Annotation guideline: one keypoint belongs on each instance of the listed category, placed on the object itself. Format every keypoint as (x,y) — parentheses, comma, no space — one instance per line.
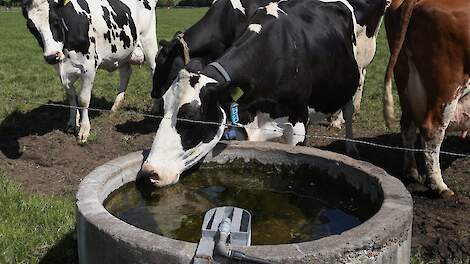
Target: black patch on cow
(106,17)
(113,48)
(92,39)
(126,41)
(88,56)
(84,5)
(55,23)
(96,60)
(107,36)
(146,4)
(123,17)
(76,37)
(194,133)
(193,80)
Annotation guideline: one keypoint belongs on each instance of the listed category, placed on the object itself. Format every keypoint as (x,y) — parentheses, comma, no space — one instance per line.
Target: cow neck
(214,73)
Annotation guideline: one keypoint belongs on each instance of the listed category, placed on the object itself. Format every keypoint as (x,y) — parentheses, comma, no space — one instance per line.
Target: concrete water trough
(383,238)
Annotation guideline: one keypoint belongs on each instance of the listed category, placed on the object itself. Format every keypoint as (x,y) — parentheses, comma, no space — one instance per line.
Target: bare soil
(37,153)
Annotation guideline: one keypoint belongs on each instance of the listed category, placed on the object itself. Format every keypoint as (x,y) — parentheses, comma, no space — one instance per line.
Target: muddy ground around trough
(36,152)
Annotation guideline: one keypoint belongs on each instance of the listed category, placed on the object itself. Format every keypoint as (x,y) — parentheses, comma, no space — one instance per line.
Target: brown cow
(430,57)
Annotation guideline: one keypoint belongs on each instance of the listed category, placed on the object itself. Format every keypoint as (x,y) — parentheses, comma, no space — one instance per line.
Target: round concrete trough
(384,238)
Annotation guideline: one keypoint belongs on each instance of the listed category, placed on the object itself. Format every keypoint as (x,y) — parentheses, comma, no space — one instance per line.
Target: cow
(429,42)
(293,55)
(80,36)
(206,40)
(226,20)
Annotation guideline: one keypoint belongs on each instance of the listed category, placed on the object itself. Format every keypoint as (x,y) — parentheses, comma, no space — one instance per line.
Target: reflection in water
(285,208)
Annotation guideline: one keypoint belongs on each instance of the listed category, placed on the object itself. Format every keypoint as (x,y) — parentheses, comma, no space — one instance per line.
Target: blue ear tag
(234,113)
(231,132)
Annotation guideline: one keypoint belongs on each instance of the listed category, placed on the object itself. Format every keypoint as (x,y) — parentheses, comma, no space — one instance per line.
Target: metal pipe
(224,250)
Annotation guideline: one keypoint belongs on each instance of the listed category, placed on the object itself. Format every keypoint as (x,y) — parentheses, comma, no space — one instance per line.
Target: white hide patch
(264,128)
(237,4)
(181,92)
(273,9)
(255,28)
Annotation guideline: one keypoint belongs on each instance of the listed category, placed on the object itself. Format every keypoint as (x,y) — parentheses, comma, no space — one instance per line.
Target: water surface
(286,206)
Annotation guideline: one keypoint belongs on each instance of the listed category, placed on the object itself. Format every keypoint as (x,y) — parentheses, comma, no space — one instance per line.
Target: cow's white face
(44,22)
(178,145)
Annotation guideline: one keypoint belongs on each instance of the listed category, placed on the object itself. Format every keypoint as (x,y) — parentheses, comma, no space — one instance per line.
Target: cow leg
(338,119)
(84,101)
(74,115)
(358,95)
(124,75)
(348,111)
(408,136)
(432,136)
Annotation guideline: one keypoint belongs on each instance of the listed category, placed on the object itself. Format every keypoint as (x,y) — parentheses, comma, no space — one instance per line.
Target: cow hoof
(447,193)
(83,135)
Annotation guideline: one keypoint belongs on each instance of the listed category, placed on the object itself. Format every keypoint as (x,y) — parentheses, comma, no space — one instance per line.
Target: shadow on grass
(144,126)
(38,121)
(64,251)
(392,160)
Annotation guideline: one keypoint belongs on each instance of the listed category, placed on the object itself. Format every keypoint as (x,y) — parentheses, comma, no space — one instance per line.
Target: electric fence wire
(136,113)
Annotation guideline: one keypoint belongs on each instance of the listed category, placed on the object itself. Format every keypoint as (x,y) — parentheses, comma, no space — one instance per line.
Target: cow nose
(52,59)
(150,172)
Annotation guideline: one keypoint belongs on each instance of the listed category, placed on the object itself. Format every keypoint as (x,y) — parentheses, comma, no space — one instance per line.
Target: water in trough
(287,206)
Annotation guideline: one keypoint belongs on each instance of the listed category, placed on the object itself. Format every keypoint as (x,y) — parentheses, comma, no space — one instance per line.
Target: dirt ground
(37,153)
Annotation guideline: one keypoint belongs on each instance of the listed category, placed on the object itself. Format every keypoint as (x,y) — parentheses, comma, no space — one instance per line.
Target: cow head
(180,144)
(169,62)
(44,22)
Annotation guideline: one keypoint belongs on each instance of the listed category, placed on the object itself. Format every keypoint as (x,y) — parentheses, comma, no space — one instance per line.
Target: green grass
(31,226)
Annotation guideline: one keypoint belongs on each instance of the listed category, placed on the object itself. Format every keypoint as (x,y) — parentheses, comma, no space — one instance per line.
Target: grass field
(39,229)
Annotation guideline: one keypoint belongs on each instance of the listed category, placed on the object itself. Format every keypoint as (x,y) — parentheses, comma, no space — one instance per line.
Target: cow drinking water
(80,36)
(292,56)
(226,20)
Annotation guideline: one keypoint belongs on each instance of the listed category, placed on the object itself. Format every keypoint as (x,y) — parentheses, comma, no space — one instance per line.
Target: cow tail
(395,47)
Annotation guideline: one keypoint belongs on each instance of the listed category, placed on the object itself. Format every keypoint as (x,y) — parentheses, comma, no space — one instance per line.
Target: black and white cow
(80,36)
(369,15)
(226,20)
(294,55)
(207,40)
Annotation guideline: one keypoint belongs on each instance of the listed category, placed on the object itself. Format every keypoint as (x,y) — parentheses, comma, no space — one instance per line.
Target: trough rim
(390,224)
